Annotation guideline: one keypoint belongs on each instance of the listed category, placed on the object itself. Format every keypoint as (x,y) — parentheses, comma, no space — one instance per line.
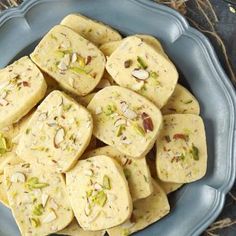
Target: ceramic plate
(196,205)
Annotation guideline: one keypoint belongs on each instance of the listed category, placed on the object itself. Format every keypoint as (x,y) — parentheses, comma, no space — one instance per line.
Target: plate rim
(214,66)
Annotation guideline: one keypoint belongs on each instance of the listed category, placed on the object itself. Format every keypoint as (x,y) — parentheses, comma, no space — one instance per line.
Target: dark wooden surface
(226,28)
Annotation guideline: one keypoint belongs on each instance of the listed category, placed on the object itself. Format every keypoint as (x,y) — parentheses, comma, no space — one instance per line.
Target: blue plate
(196,205)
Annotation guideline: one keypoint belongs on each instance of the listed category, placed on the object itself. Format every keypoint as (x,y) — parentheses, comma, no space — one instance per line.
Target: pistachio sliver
(120,130)
(89,193)
(194,152)
(35,222)
(100,198)
(139,130)
(78,70)
(106,182)
(142,63)
(153,74)
(59,54)
(33,183)
(110,109)
(81,61)
(38,210)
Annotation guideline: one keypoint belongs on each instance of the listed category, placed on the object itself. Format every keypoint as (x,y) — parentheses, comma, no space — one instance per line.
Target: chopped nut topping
(59,137)
(62,66)
(130,114)
(127,63)
(98,110)
(33,183)
(181,136)
(44,199)
(74,57)
(140,74)
(119,122)
(35,222)
(137,86)
(38,210)
(142,63)
(50,217)
(138,129)
(147,122)
(120,130)
(66,59)
(88,60)
(106,182)
(97,186)
(18,177)
(54,205)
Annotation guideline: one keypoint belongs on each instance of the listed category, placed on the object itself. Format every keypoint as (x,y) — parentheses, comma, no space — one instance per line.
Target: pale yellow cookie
(38,199)
(146,211)
(73,229)
(125,120)
(181,102)
(58,133)
(136,65)
(181,149)
(136,171)
(94,31)
(22,86)
(75,63)
(99,193)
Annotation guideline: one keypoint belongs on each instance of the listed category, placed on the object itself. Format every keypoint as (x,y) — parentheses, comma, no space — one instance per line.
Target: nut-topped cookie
(138,66)
(57,134)
(99,193)
(38,199)
(75,63)
(181,149)
(136,171)
(181,102)
(125,120)
(22,86)
(96,32)
(146,211)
